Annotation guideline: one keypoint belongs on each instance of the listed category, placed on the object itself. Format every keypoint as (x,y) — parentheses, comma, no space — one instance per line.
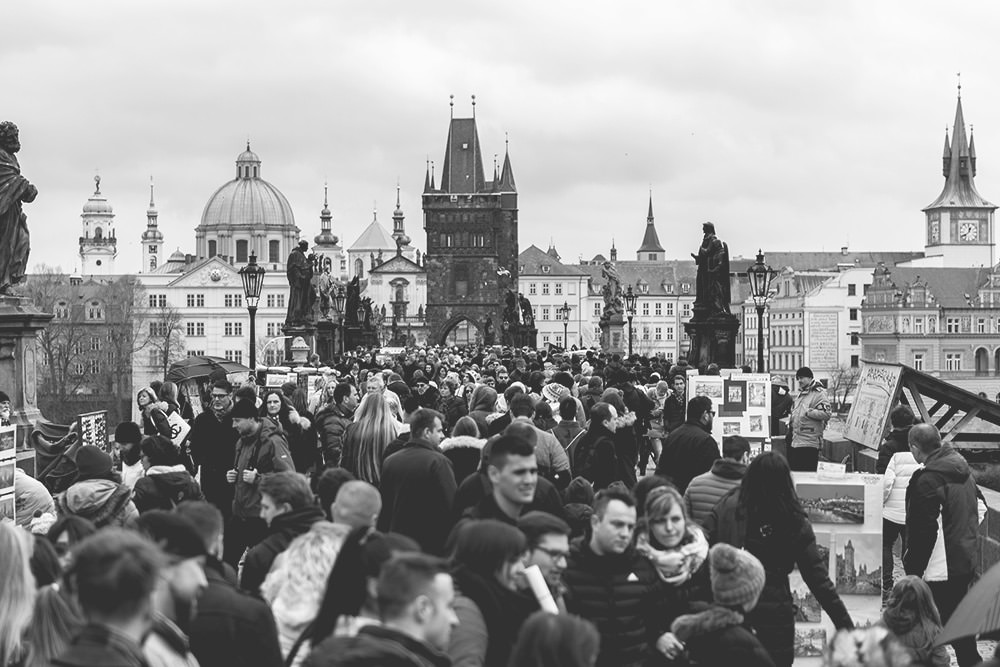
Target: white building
(98,245)
(549,285)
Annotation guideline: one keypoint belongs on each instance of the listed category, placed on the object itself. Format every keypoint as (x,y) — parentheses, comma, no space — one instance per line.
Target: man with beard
(177,589)
(690,449)
(212,442)
(14,189)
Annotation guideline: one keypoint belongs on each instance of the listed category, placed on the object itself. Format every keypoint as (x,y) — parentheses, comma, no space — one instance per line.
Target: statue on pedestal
(14,189)
(712,293)
(612,290)
(300,290)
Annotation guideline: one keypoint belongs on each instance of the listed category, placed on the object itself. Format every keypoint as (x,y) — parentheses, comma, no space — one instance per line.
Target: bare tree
(165,333)
(126,316)
(843,382)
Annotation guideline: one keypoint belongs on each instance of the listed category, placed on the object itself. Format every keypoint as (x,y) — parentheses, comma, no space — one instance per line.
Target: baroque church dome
(248,201)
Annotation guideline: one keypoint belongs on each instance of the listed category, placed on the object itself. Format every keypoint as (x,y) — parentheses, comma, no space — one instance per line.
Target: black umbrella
(192,368)
(979,611)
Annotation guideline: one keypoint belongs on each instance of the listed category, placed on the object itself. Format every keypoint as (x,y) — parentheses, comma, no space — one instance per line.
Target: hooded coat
(283,529)
(103,502)
(266,451)
(464,452)
(810,413)
(164,487)
(717,635)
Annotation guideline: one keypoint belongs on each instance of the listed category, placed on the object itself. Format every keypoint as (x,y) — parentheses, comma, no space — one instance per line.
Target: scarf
(675,566)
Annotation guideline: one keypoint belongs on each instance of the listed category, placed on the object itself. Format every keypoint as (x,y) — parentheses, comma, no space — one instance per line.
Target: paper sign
(825,470)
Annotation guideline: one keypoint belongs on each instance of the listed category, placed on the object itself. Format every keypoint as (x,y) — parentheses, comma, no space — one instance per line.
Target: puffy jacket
(465,452)
(718,636)
(810,413)
(100,501)
(375,646)
(331,422)
(164,487)
(621,595)
(901,467)
(896,441)
(283,529)
(707,489)
(266,452)
(941,501)
(595,458)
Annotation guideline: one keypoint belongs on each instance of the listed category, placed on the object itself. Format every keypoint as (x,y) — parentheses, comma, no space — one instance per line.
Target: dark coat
(452,408)
(375,646)
(164,491)
(331,422)
(688,451)
(304,444)
(283,529)
(779,549)
(497,426)
(596,459)
(232,627)
(895,442)
(212,443)
(99,646)
(475,488)
(718,636)
(266,451)
(674,411)
(621,595)
(418,489)
(565,431)
(942,488)
(465,452)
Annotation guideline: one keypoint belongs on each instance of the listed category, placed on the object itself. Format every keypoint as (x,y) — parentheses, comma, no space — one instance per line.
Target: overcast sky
(792,125)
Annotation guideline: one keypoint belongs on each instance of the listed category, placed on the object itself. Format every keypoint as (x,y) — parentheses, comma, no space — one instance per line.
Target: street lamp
(630,300)
(339,299)
(760,275)
(252,276)
(565,311)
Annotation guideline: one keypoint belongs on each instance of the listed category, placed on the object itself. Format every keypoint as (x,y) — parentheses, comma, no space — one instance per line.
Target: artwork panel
(858,564)
(832,503)
(809,642)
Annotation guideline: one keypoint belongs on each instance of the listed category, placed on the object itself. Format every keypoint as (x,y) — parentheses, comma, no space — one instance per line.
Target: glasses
(218,397)
(710,412)
(554,554)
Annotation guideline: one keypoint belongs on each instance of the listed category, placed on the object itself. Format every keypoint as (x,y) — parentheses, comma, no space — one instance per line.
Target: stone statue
(325,286)
(712,295)
(14,189)
(489,334)
(527,315)
(352,302)
(612,290)
(300,291)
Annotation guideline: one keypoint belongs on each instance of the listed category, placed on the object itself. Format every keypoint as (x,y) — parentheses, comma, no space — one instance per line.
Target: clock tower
(959,223)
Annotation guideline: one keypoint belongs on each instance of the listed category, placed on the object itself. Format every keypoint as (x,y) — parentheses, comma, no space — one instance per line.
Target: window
(532,289)
(76,348)
(670,333)
(234,300)
(597,309)
(157,300)
(853,314)
(546,268)
(461,280)
(645,309)
(918,325)
(670,289)
(652,256)
(645,333)
(275,300)
(951,325)
(852,289)
(545,338)
(213,248)
(152,249)
(670,309)
(61,311)
(274,251)
(685,287)
(242,250)
(95,366)
(981,325)
(195,300)
(78,368)
(855,339)
(545,288)
(953,361)
(95,311)
(196,353)
(95,343)
(158,329)
(273,329)
(233,328)
(558,288)
(686,313)
(195,328)
(658,333)
(545,313)
(658,308)
(154,357)
(234,355)
(918,361)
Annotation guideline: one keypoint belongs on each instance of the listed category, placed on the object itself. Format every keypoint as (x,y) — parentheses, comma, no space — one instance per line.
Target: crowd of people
(467,507)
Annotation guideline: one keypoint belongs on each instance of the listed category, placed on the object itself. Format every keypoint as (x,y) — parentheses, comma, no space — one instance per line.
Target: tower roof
(463,159)
(959,161)
(650,241)
(507,175)
(374,237)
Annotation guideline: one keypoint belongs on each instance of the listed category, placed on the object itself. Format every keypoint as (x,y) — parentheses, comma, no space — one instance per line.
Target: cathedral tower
(471,226)
(98,245)
(959,223)
(152,238)
(650,250)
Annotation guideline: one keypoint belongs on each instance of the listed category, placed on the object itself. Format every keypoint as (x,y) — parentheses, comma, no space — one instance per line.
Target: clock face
(968,231)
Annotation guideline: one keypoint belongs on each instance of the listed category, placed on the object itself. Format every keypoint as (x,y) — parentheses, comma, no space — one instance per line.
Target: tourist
(555,640)
(911,615)
(690,449)
(97,495)
(167,482)
(464,448)
(708,488)
(810,413)
(212,442)
(333,418)
(366,439)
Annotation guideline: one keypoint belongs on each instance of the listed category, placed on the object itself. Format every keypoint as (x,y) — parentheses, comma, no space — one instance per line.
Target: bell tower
(152,238)
(98,245)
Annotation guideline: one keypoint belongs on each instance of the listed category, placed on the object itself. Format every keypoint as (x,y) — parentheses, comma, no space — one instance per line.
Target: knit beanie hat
(244,410)
(92,463)
(737,576)
(553,392)
(128,432)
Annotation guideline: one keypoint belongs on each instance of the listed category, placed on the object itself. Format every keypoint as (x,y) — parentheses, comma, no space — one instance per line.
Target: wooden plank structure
(936,402)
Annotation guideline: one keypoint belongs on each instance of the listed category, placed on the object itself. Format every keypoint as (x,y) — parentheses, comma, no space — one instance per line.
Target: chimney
(843,250)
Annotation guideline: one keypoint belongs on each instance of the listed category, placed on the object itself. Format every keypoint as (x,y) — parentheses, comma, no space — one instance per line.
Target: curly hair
(8,131)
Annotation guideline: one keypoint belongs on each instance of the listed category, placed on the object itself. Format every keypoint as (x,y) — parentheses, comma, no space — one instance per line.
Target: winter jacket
(688,451)
(30,496)
(810,413)
(707,489)
(465,453)
(303,443)
(154,420)
(476,488)
(283,529)
(232,627)
(588,398)
(167,646)
(418,489)
(489,618)
(100,501)
(779,549)
(896,441)
(565,431)
(100,645)
(921,644)
(375,646)
(943,489)
(674,412)
(901,467)
(717,635)
(549,454)
(452,408)
(331,421)
(621,594)
(596,459)
(164,487)
(266,451)
(212,443)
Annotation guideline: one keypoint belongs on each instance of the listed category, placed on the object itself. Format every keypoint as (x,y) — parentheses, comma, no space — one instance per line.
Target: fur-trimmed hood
(705,622)
(462,442)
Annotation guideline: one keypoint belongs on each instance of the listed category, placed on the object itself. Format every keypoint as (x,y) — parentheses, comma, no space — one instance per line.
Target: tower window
(98,233)
(461,280)
(242,248)
(359,268)
(212,248)
(152,249)
(152,263)
(274,251)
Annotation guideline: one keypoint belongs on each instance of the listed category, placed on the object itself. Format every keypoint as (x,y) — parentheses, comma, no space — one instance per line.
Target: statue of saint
(527,314)
(324,287)
(14,189)
(712,288)
(612,290)
(300,291)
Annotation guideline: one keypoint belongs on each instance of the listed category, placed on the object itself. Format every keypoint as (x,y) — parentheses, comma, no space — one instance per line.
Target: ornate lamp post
(339,299)
(565,311)
(630,300)
(252,276)
(760,275)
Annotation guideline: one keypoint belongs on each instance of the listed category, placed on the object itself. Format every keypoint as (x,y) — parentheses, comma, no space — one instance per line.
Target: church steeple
(507,173)
(326,236)
(463,159)
(98,245)
(152,238)
(650,250)
(398,230)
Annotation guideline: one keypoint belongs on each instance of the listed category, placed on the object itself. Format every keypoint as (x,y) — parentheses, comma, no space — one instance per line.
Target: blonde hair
(910,603)
(55,621)
(376,429)
(17,589)
(661,500)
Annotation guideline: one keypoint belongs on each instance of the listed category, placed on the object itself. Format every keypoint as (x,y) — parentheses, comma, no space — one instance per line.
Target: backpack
(55,456)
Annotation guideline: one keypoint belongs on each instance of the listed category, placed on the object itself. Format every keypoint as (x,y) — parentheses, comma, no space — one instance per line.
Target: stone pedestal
(713,341)
(20,322)
(613,334)
(307,332)
(328,336)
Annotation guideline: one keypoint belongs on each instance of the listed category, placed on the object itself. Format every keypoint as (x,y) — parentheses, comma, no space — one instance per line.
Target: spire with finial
(427,175)
(650,250)
(507,172)
(946,154)
(432,175)
(326,237)
(397,217)
(972,150)
(552,252)
(614,251)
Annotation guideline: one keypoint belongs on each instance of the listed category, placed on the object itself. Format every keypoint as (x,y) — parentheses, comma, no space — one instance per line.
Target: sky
(791,125)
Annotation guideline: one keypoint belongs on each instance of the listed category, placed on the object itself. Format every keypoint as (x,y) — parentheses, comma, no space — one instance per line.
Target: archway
(461,331)
(982,362)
